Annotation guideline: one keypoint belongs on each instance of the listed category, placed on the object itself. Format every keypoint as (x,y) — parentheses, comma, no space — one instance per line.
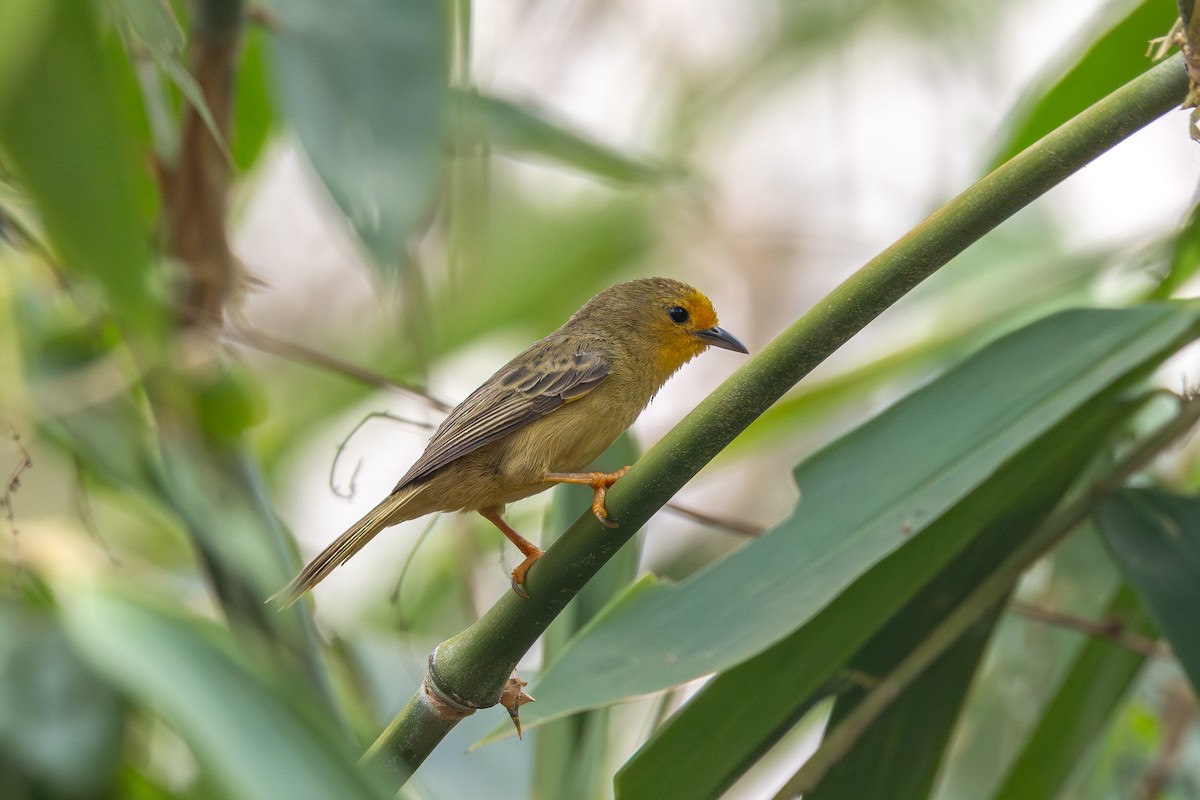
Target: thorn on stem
(512,697)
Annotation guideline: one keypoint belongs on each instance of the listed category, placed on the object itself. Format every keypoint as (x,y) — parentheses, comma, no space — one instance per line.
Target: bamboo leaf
(64,133)
(900,755)
(757,701)
(151,24)
(1184,258)
(51,704)
(253,114)
(1155,538)
(1111,59)
(1077,714)
(364,85)
(253,736)
(863,499)
(522,132)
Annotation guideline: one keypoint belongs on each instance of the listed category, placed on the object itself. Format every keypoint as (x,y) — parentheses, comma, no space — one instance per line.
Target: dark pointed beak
(719,337)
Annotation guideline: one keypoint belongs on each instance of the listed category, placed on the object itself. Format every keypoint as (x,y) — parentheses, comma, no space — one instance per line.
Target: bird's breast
(566,441)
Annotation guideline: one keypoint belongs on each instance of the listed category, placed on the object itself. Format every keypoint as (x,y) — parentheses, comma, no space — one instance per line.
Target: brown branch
(1112,629)
(242,333)
(196,187)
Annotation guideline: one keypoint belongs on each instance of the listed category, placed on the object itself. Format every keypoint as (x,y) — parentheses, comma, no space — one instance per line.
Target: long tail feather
(342,548)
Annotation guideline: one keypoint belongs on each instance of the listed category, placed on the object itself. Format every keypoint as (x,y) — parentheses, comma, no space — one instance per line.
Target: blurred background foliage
(230,232)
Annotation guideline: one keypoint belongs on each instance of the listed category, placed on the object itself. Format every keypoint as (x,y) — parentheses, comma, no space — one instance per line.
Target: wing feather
(511,399)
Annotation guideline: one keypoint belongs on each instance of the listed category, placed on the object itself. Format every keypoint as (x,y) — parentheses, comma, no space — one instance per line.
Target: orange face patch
(677,342)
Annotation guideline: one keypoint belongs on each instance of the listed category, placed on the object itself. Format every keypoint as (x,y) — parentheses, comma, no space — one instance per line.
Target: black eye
(678,315)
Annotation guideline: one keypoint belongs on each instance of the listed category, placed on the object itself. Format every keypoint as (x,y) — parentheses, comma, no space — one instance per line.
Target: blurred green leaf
(918,460)
(364,85)
(521,132)
(23,26)
(1111,60)
(63,133)
(1155,538)
(60,725)
(1184,259)
(757,701)
(151,25)
(1076,716)
(251,733)
(87,393)
(219,496)
(253,113)
(581,248)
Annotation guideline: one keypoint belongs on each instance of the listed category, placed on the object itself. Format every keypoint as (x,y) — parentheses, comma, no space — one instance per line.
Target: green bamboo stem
(475,664)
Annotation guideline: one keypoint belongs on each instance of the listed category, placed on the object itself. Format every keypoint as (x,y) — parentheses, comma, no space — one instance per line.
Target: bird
(543,417)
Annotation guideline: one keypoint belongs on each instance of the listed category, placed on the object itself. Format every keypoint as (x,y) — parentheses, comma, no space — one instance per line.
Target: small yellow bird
(543,416)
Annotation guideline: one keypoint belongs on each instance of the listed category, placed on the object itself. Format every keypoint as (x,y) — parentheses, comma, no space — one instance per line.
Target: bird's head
(665,321)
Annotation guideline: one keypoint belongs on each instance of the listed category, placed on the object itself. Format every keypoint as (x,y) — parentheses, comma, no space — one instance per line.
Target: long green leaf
(64,133)
(899,757)
(758,700)
(60,725)
(248,732)
(863,499)
(521,132)
(1113,58)
(253,113)
(1076,716)
(363,83)
(1155,538)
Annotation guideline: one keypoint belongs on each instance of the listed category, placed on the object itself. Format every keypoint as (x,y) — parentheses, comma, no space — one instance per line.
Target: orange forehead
(699,308)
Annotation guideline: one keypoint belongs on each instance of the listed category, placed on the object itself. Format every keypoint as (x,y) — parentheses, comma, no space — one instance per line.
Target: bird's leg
(599,481)
(528,549)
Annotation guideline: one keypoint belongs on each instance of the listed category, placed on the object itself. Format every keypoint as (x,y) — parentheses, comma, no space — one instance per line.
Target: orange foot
(600,483)
(528,549)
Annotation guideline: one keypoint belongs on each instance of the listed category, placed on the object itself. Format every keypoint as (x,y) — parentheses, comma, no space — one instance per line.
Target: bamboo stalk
(475,664)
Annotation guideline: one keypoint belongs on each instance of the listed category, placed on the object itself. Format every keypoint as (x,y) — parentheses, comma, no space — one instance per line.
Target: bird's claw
(600,485)
(518,574)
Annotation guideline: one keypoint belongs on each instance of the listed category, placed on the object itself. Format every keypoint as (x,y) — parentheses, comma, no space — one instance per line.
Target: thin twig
(24,463)
(1111,629)
(1177,715)
(402,624)
(302,354)
(735,526)
(349,493)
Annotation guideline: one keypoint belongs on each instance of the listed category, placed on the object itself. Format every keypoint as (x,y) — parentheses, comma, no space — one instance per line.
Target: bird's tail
(343,547)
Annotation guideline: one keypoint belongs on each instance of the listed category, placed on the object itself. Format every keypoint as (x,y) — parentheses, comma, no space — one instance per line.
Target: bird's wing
(509,400)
